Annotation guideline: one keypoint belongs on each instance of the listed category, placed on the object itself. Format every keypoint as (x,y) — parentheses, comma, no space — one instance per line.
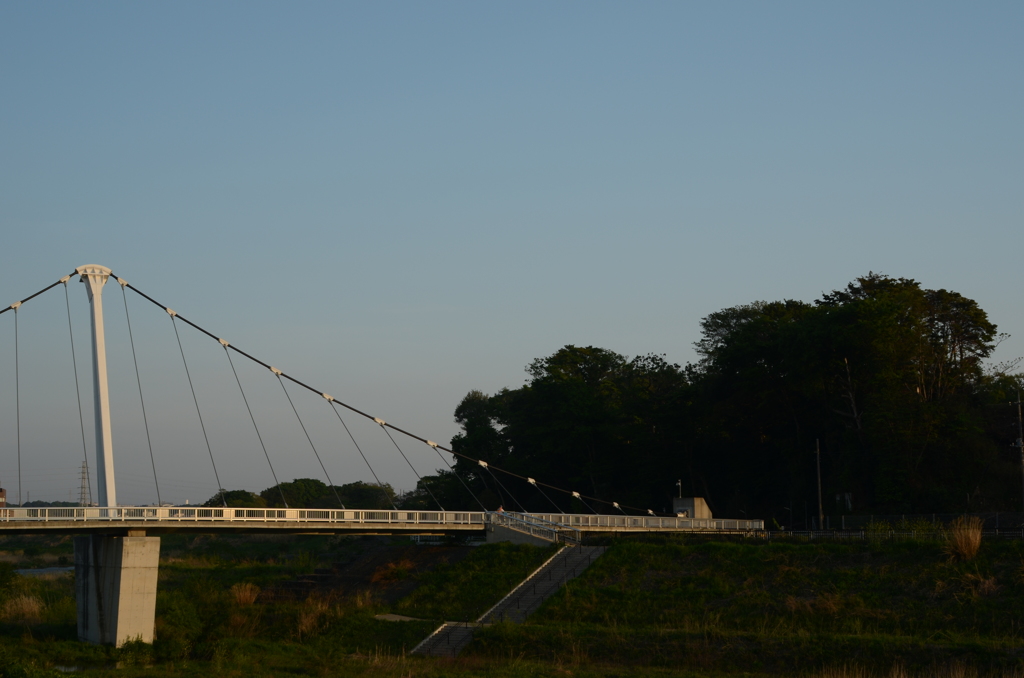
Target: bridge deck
(163,520)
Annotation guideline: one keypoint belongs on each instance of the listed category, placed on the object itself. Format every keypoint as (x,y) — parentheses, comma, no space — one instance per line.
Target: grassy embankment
(223,607)
(782,608)
(671,608)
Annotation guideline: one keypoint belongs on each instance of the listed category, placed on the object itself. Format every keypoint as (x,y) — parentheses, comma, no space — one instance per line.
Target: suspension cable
(487,487)
(381,423)
(78,390)
(487,467)
(17,367)
(249,409)
(334,409)
(434,445)
(15,305)
(138,380)
(220,488)
(17,395)
(537,487)
(364,414)
(329,481)
(577,495)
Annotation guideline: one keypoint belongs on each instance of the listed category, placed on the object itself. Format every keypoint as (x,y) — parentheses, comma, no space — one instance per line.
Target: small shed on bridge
(691,507)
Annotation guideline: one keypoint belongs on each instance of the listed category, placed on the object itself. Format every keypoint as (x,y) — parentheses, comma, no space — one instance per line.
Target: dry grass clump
(980,585)
(364,599)
(963,538)
(844,671)
(23,609)
(392,572)
(311,615)
(245,593)
(954,669)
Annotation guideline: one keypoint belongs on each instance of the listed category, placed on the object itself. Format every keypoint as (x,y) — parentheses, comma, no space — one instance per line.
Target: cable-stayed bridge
(116,561)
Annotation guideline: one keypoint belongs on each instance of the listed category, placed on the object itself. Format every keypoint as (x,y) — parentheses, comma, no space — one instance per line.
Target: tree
(588,420)
(886,374)
(236,498)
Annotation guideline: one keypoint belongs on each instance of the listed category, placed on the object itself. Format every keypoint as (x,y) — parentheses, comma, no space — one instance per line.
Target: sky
(401,202)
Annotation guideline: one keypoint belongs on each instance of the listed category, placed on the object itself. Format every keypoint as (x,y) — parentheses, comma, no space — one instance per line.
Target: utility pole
(1020,442)
(84,493)
(821,510)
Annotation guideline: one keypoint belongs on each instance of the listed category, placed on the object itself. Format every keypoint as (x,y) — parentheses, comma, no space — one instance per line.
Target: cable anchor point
(16,305)
(276,371)
(328,398)
(379,421)
(224,342)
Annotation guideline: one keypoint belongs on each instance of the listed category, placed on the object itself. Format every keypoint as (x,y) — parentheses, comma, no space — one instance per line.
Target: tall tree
(886,374)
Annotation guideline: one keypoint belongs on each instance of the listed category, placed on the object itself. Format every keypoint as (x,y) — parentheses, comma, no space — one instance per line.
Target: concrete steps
(567,564)
(451,637)
(448,640)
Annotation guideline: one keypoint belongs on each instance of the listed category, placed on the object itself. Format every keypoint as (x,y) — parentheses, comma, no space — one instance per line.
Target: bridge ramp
(452,637)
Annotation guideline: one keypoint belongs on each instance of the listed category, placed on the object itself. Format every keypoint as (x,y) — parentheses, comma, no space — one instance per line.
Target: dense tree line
(888,377)
(311,493)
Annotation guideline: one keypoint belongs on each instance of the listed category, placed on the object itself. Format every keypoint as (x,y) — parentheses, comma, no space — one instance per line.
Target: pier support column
(115,588)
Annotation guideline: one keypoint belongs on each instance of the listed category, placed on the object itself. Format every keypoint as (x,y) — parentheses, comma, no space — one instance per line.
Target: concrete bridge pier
(115,587)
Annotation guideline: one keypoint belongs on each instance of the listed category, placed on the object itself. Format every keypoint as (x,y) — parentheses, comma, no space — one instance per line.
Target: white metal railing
(566,526)
(235,515)
(591,522)
(538,527)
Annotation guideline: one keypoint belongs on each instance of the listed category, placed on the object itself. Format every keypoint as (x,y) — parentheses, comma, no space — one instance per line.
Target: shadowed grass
(671,607)
(780,607)
(466,590)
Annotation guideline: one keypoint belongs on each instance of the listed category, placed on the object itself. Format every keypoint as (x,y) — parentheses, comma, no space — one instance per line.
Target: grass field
(223,607)
(782,608)
(662,608)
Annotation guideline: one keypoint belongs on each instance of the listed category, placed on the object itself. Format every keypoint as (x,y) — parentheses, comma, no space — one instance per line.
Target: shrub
(7,578)
(245,594)
(24,609)
(135,653)
(178,628)
(310,615)
(393,572)
(963,538)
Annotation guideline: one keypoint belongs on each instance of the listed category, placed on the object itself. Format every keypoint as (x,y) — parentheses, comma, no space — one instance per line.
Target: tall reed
(963,538)
(24,609)
(245,593)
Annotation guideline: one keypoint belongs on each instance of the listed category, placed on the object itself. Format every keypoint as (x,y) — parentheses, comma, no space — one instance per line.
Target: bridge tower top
(95,277)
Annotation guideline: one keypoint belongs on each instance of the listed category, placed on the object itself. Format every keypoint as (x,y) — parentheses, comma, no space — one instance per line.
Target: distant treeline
(39,503)
(311,493)
(888,376)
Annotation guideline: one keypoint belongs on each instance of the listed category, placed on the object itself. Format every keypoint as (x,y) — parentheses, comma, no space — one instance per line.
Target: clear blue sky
(400,202)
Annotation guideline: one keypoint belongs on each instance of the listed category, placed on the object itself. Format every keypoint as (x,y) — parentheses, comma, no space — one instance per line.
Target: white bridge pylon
(95,277)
